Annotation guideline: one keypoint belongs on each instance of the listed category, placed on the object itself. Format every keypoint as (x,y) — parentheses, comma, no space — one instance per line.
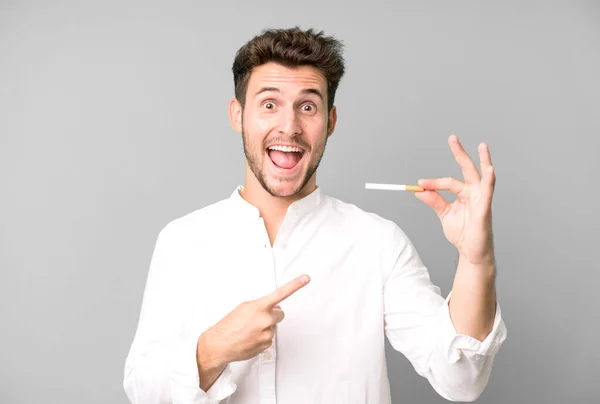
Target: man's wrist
(484,267)
(209,361)
(208,357)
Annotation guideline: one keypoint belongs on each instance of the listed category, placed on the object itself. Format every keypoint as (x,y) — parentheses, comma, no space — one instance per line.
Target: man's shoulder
(375,231)
(204,219)
(359,217)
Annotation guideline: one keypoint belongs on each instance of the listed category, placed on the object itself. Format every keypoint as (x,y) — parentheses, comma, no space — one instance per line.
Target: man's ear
(235,115)
(331,121)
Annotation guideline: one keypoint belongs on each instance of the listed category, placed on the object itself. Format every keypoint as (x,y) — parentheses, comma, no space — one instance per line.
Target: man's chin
(284,190)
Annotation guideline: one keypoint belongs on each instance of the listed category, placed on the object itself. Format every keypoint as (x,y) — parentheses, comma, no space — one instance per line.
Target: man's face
(284,126)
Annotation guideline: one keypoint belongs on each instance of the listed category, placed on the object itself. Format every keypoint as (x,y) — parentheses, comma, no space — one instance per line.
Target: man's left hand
(467,222)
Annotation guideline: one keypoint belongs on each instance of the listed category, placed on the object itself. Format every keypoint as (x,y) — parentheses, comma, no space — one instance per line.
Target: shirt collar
(299,208)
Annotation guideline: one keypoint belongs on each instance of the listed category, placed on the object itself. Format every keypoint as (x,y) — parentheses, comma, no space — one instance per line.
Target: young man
(281,293)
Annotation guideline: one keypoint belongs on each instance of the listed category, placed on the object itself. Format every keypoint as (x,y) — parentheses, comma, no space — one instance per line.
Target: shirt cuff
(185,381)
(455,345)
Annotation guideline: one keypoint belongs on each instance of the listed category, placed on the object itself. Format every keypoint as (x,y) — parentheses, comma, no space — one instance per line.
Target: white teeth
(286,148)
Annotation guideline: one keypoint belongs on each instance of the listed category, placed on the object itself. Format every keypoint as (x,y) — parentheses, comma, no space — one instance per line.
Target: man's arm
(209,367)
(452,342)
(161,365)
(418,324)
(467,224)
(243,333)
(473,300)
(167,364)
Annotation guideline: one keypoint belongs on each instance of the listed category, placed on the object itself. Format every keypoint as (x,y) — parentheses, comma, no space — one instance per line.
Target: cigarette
(393,187)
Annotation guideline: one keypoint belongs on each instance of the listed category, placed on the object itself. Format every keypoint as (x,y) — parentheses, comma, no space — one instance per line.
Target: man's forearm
(209,366)
(473,301)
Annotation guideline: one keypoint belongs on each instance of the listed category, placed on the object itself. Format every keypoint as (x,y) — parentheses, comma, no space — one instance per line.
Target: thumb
(435,201)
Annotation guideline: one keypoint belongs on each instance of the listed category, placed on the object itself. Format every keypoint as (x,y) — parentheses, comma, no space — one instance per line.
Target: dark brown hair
(290,47)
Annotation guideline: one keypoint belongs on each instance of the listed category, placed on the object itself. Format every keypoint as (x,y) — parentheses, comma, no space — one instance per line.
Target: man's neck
(272,208)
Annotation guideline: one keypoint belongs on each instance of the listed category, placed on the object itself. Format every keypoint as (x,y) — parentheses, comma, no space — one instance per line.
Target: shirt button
(268,356)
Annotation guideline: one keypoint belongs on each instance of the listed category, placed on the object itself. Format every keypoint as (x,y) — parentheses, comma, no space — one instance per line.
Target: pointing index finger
(285,290)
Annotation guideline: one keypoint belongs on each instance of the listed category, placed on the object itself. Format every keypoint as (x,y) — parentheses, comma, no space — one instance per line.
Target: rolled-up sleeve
(161,364)
(456,345)
(418,324)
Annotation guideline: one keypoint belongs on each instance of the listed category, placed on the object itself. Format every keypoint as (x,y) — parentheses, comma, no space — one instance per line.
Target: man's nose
(289,124)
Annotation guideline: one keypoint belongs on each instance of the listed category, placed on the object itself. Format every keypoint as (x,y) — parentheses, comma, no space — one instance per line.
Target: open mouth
(285,157)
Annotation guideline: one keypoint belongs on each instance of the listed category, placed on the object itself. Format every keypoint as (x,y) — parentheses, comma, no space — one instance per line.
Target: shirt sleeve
(417,324)
(161,364)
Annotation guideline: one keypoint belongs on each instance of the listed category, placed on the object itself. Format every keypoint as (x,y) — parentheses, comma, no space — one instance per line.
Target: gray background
(113,121)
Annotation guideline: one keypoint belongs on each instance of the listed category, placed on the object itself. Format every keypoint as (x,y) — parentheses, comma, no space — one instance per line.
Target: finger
(488,180)
(488,184)
(285,291)
(485,160)
(435,201)
(469,170)
(442,184)
(278,316)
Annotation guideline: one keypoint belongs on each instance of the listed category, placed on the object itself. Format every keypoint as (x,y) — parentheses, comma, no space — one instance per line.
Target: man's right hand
(245,332)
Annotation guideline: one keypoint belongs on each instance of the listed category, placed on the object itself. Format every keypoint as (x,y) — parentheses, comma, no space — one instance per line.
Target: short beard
(261,177)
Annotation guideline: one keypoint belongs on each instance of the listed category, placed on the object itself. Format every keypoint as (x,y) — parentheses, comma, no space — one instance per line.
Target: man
(281,293)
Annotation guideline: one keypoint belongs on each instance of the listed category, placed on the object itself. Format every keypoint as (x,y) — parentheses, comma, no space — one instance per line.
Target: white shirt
(367,283)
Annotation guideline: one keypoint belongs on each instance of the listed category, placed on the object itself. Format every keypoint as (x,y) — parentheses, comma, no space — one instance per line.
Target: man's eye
(269,105)
(308,108)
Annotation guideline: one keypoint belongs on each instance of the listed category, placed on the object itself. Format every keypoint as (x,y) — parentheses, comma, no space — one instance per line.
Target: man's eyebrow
(267,89)
(276,90)
(314,91)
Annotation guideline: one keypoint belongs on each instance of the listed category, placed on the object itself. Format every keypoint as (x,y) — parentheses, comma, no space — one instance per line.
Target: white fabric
(367,283)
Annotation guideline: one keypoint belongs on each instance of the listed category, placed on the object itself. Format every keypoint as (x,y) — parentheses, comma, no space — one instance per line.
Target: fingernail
(304,278)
